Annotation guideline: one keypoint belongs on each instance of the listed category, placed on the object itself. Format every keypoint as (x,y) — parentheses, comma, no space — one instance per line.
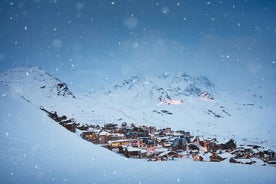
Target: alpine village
(152,144)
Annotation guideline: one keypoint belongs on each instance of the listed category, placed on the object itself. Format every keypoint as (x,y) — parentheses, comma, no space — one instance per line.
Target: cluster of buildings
(139,142)
(164,144)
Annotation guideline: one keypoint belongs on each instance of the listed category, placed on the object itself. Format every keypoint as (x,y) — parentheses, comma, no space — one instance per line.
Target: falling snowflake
(165,10)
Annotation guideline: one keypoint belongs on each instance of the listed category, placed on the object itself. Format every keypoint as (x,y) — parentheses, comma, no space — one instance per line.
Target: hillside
(179,101)
(34,149)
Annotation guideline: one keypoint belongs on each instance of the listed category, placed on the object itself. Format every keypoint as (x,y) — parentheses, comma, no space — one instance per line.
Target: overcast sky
(99,41)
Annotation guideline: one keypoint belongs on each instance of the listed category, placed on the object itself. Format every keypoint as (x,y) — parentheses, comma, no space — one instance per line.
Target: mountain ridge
(163,101)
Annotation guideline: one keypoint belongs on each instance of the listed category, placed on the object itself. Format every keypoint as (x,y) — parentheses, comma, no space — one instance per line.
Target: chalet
(179,143)
(271,162)
(241,161)
(160,139)
(167,144)
(115,136)
(136,132)
(90,136)
(161,133)
(168,155)
(83,127)
(168,131)
(71,126)
(117,143)
(183,134)
(146,141)
(150,129)
(266,155)
(230,145)
(103,137)
(243,153)
(110,126)
(130,151)
(193,147)
(197,157)
(216,158)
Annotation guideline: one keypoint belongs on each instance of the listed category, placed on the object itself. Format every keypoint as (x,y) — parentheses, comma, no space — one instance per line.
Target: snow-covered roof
(177,134)
(117,141)
(160,150)
(130,148)
(103,133)
(117,134)
(166,153)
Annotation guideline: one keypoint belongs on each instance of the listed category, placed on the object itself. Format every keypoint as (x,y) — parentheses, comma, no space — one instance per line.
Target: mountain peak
(165,87)
(31,79)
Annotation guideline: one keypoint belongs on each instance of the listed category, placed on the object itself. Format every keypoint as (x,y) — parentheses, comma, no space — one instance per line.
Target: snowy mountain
(33,80)
(35,149)
(179,101)
(166,87)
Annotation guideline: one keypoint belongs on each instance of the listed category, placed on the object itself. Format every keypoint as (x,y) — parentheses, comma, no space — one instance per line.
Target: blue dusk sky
(89,43)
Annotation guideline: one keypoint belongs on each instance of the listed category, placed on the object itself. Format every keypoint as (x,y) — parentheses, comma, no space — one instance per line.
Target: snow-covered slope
(191,103)
(35,85)
(35,149)
(179,101)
